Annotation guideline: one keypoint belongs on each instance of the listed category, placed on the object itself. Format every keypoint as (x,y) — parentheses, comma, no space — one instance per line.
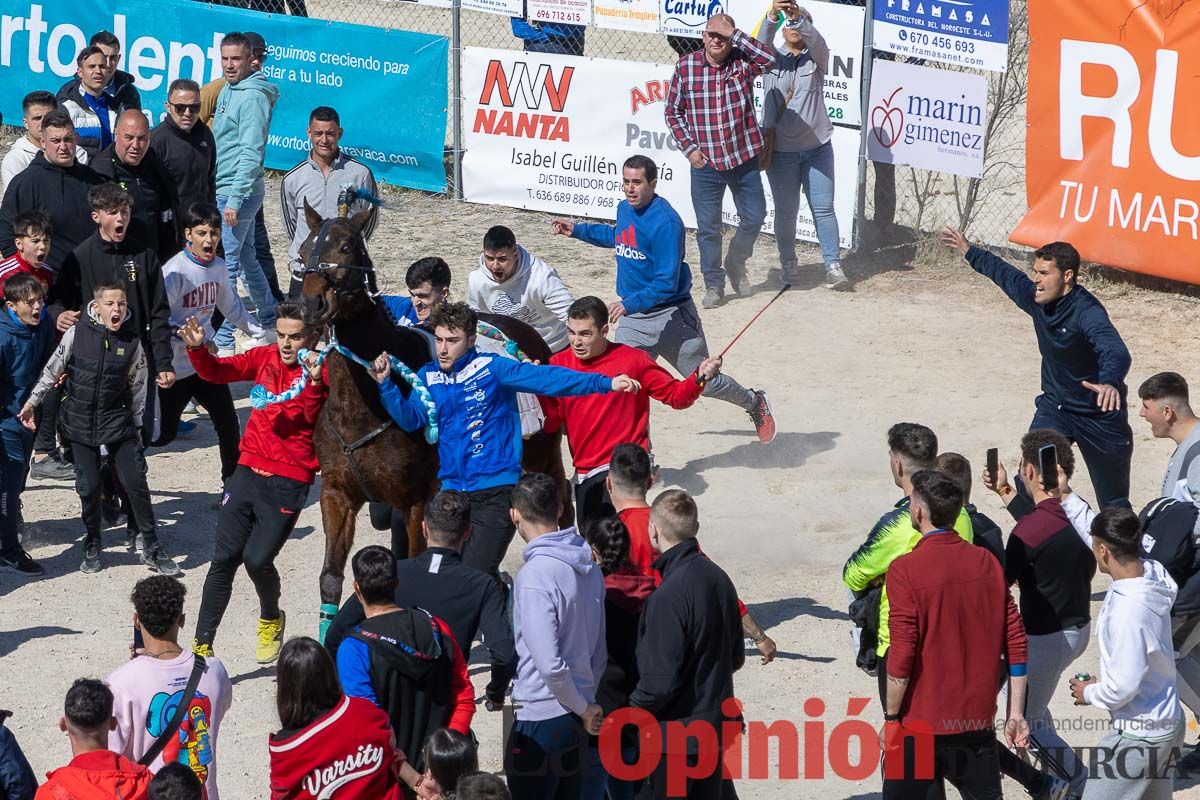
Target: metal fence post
(860,210)
(456,89)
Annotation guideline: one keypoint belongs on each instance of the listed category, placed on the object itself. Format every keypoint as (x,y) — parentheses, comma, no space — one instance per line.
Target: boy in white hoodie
(1137,669)
(196,284)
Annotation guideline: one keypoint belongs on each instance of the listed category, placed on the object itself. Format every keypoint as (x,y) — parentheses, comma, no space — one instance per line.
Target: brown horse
(364,456)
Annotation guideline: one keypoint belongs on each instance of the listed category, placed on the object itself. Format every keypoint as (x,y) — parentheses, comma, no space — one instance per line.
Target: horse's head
(339,277)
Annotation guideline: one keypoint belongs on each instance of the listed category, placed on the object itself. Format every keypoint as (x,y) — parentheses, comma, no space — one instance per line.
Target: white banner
(627,15)
(927,118)
(570,12)
(507,8)
(550,133)
(687,17)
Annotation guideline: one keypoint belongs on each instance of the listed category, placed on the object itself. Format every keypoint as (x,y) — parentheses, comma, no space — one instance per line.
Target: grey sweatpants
(675,334)
(1136,768)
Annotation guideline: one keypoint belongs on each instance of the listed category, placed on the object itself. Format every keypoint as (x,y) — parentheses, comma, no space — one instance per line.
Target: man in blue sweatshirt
(479,426)
(655,287)
(240,125)
(1084,360)
(558,618)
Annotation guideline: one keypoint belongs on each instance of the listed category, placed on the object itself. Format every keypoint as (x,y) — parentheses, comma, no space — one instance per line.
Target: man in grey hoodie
(558,619)
(240,126)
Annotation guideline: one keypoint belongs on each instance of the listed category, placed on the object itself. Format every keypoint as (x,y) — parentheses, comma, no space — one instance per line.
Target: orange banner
(1113,138)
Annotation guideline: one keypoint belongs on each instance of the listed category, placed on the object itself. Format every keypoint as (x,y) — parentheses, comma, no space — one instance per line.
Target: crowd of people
(126,245)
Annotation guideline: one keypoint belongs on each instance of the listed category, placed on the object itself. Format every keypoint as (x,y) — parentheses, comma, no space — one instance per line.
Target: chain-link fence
(899,205)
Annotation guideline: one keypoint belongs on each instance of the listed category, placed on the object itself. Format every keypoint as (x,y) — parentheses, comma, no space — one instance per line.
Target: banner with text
(572,12)
(966,33)
(356,69)
(927,118)
(506,8)
(687,17)
(550,133)
(640,16)
(1112,162)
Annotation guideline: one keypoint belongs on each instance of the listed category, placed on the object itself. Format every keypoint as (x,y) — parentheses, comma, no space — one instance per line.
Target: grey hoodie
(558,618)
(1137,660)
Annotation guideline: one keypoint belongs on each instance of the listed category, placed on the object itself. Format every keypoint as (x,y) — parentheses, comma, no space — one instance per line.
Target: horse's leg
(416,539)
(338,510)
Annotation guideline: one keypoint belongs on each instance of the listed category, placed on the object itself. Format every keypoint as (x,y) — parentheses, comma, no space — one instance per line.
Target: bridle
(314,266)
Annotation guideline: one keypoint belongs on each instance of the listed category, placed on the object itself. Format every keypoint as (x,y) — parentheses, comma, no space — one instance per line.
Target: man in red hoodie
(264,496)
(95,772)
(595,424)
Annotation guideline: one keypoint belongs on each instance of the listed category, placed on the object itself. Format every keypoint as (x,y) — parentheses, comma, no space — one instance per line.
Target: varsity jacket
(479,438)
(153,219)
(98,261)
(190,159)
(58,191)
(279,438)
(306,182)
(892,537)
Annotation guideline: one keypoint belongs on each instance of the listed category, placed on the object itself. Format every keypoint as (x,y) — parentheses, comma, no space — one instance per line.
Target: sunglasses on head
(183,108)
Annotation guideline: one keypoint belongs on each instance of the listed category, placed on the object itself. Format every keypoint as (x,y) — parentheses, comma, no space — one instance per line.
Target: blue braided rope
(510,347)
(260,397)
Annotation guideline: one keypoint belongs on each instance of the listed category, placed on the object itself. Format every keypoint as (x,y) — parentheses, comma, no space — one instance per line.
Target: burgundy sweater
(952,618)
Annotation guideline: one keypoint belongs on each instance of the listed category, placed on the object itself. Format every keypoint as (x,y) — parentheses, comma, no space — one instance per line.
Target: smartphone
(138,642)
(1048,462)
(993,461)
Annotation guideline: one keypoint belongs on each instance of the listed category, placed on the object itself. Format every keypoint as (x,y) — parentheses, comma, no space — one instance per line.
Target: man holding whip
(655,283)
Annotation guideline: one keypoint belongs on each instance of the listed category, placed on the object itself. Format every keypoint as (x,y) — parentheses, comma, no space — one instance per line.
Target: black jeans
(1106,443)
(967,760)
(47,429)
(262,242)
(544,759)
(592,500)
(492,529)
(15,449)
(130,465)
(217,401)
(257,516)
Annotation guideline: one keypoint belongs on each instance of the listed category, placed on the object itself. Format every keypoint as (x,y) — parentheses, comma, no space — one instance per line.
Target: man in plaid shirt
(710,110)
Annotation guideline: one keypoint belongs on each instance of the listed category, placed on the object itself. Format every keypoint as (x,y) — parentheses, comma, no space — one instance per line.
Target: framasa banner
(360,71)
(550,133)
(966,33)
(1112,153)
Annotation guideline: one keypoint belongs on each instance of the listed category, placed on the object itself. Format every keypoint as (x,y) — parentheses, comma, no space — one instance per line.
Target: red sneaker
(764,421)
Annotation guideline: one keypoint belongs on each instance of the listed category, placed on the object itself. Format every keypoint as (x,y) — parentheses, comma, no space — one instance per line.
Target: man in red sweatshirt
(595,424)
(264,496)
(952,618)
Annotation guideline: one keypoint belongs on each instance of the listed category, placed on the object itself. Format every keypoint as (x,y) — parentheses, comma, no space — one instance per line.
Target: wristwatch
(891,717)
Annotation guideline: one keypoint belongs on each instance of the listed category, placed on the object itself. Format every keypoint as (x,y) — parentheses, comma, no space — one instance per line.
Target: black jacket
(190,159)
(467,600)
(57,191)
(97,261)
(123,94)
(98,408)
(690,639)
(986,533)
(153,221)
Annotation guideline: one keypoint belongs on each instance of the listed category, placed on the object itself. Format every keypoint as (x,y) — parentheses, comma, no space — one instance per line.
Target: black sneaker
(133,542)
(21,564)
(91,557)
(52,468)
(160,562)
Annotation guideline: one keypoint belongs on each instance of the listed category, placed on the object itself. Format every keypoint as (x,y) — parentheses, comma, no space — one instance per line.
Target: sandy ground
(935,344)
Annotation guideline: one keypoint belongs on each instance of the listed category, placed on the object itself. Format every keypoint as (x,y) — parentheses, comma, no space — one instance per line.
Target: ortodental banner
(1112,154)
(966,33)
(926,118)
(361,71)
(550,133)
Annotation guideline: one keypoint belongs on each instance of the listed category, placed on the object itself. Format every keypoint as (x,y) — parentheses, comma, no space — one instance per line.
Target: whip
(753,319)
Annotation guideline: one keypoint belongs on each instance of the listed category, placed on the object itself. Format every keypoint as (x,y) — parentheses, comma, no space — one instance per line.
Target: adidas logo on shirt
(626,245)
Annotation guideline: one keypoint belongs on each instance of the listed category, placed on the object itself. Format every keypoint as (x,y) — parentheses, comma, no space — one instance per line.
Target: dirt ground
(935,343)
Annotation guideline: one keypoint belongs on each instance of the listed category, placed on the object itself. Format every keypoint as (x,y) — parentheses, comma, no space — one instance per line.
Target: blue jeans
(708,192)
(598,784)
(545,759)
(810,171)
(14,463)
(241,259)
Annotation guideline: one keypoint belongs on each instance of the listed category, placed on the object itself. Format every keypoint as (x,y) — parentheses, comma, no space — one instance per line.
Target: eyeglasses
(183,108)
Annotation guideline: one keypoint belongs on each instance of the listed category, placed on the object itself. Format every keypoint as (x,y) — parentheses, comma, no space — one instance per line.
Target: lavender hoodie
(558,617)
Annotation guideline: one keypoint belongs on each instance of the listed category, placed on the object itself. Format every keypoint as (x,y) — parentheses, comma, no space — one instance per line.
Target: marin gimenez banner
(388,86)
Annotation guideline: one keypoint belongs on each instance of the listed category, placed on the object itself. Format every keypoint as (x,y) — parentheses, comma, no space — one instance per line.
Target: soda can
(1083,677)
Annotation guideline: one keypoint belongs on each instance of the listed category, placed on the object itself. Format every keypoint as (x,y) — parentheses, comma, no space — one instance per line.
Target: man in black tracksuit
(1084,360)
(437,580)
(689,643)
(131,163)
(186,149)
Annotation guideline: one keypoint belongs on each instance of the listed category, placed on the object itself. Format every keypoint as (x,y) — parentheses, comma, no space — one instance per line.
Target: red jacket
(952,618)
(346,754)
(98,775)
(597,423)
(16,264)
(279,438)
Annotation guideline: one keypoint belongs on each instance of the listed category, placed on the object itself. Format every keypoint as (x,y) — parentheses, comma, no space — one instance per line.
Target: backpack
(1168,537)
